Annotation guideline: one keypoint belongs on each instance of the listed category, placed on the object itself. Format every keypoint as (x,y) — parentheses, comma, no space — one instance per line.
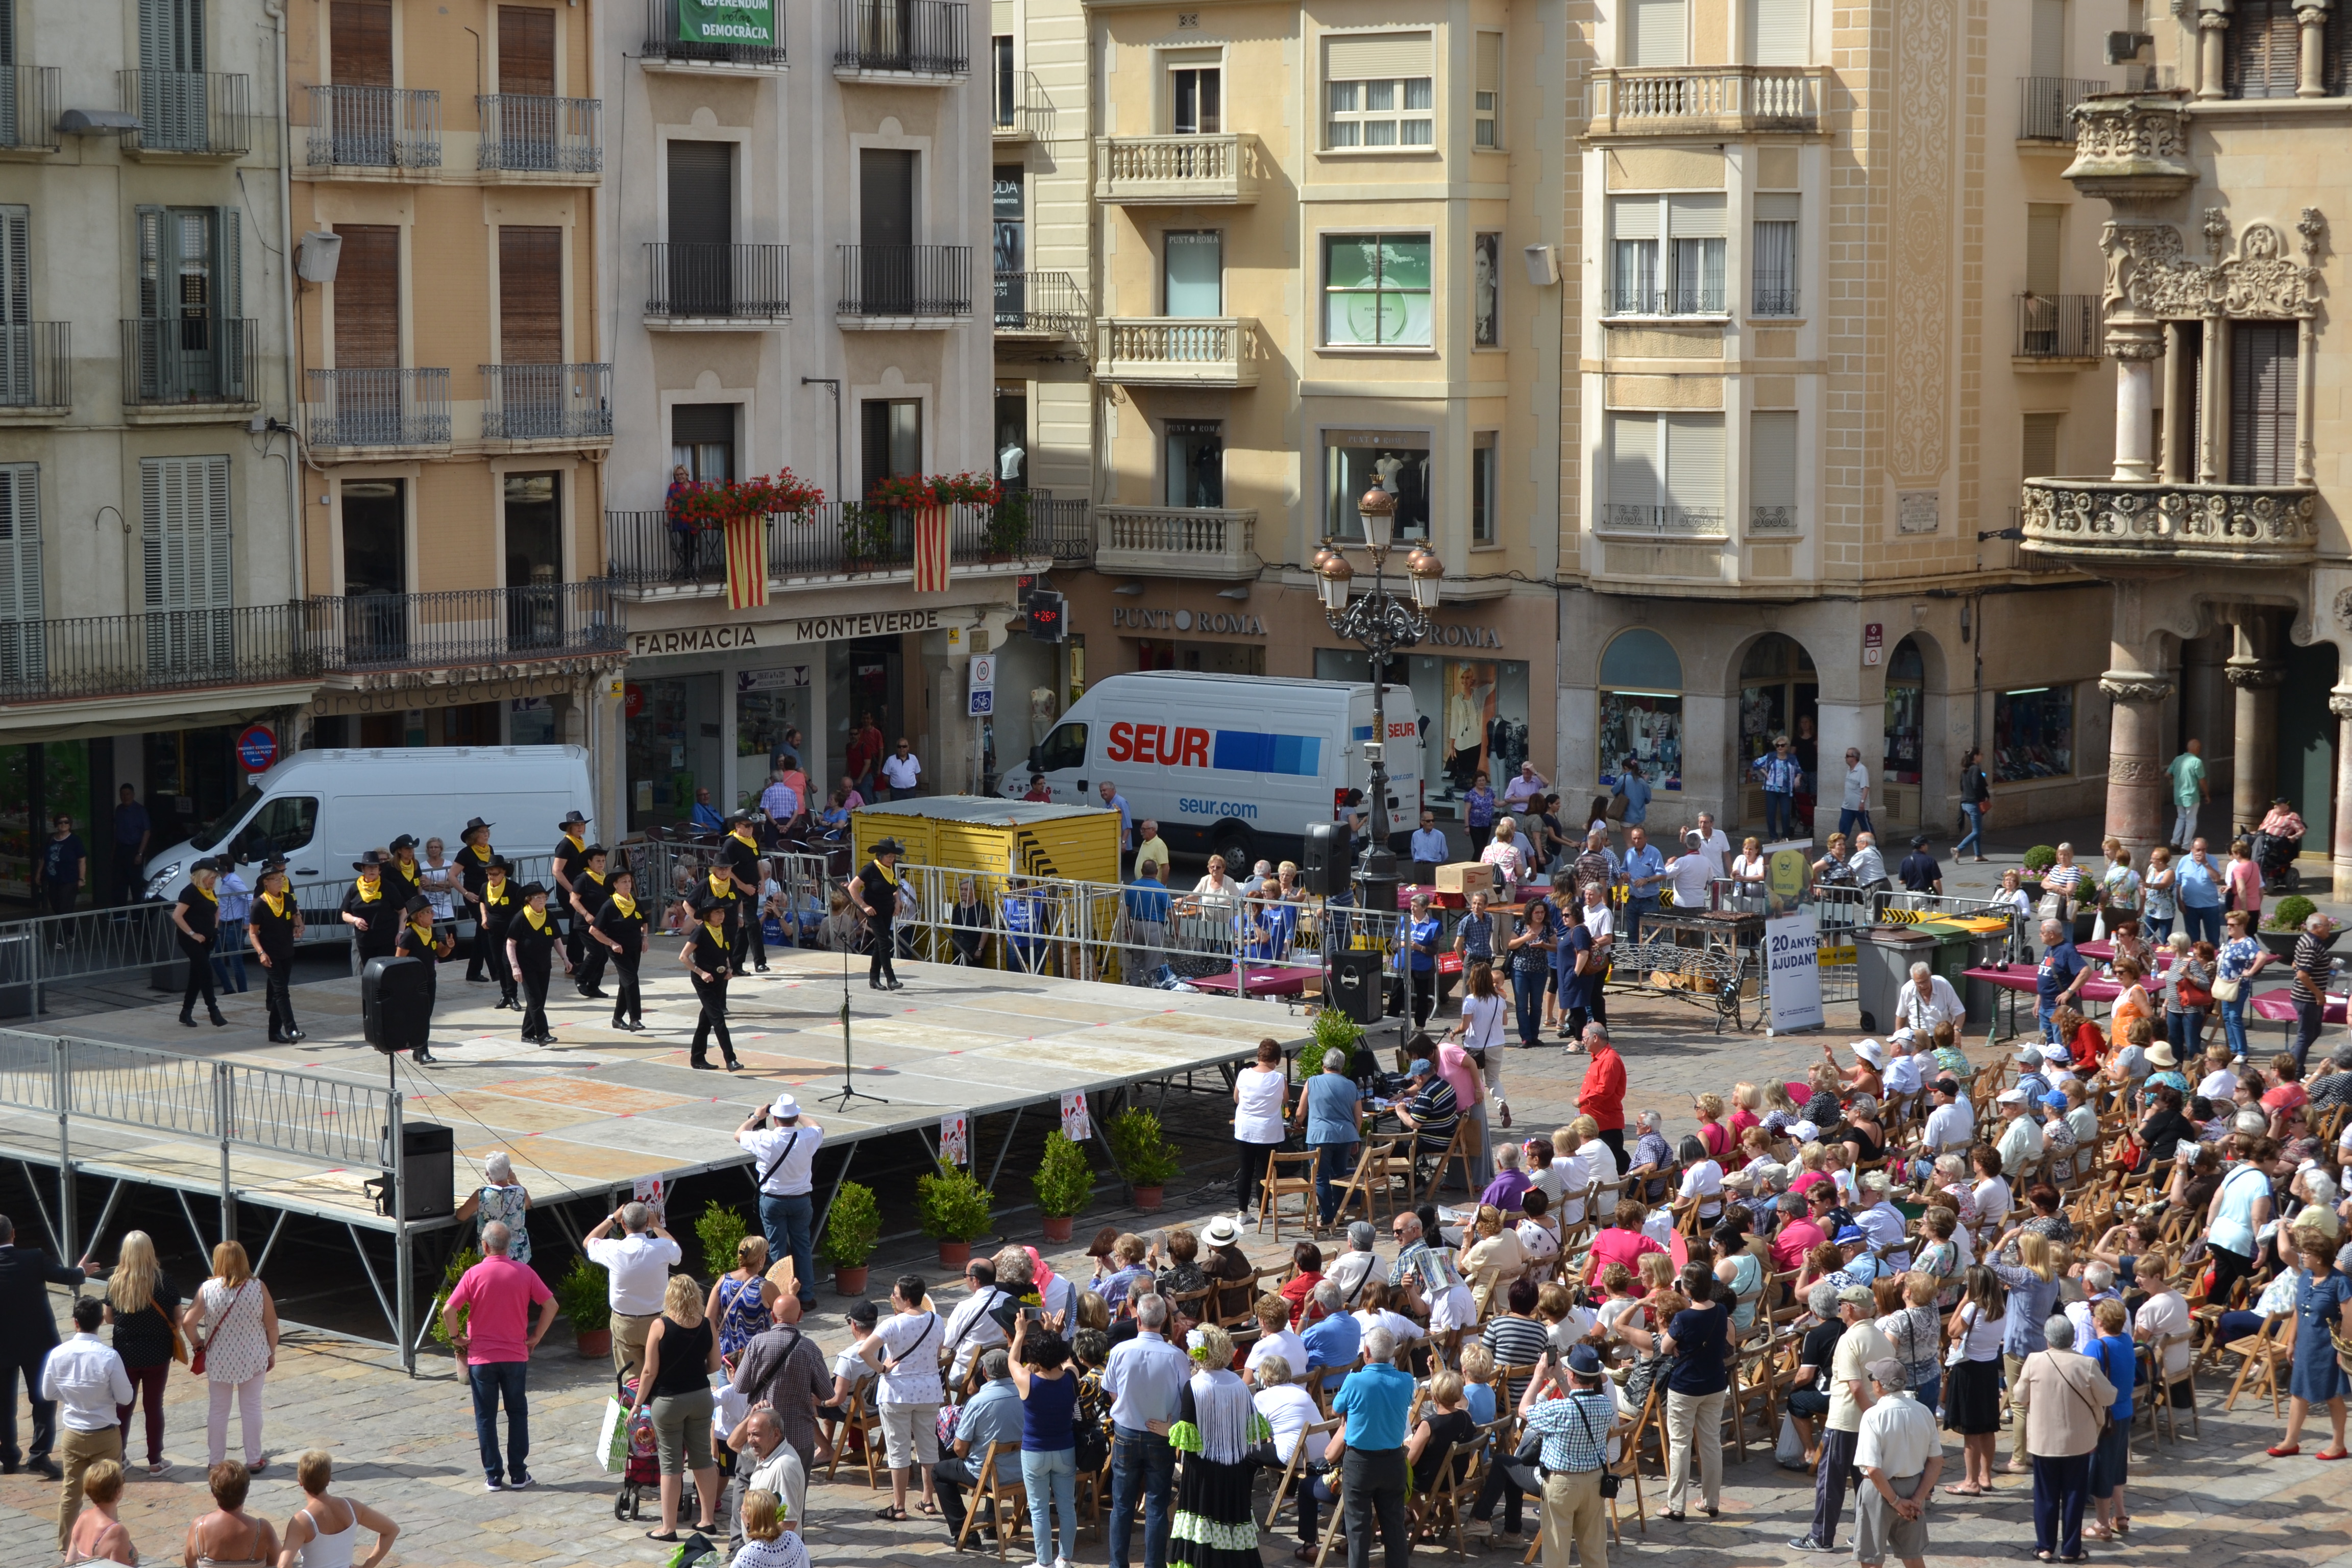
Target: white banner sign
(652,1191)
(955,1139)
(1793,971)
(1073,1115)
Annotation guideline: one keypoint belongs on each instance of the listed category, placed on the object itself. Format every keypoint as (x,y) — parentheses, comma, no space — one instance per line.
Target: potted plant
(866,536)
(445,1331)
(1144,1155)
(2038,860)
(1064,1184)
(1008,526)
(720,1230)
(852,1226)
(1334,1031)
(584,1296)
(957,1211)
(2283,926)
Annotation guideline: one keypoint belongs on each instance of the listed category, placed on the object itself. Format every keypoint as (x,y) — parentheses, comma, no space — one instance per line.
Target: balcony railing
(465,626)
(1049,302)
(665,42)
(1629,300)
(920,281)
(2244,525)
(643,551)
(181,361)
(1680,101)
(732,284)
(1176,542)
(1184,171)
(375,128)
(1663,521)
(1770,296)
(547,402)
(2059,326)
(29,107)
(37,365)
(193,113)
(2045,106)
(526,134)
(1061,526)
(1764,521)
(1022,109)
(161,650)
(1180,350)
(904,37)
(377,408)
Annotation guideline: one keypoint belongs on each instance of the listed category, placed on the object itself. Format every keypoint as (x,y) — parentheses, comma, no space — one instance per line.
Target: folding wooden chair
(1436,1511)
(1006,1504)
(1297,1467)
(1335,1527)
(1457,1151)
(1277,1186)
(867,1421)
(1384,1166)
(2260,1355)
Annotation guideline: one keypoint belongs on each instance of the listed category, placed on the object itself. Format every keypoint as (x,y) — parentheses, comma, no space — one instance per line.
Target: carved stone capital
(2134,686)
(2213,21)
(2132,770)
(2133,345)
(2253,674)
(2339,702)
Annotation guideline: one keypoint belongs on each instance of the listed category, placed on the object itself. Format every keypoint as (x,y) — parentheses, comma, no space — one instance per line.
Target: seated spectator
(228,1536)
(993,1413)
(1290,1410)
(97,1535)
(1273,1334)
(1492,1259)
(1127,1252)
(769,1539)
(323,1528)
(1306,1259)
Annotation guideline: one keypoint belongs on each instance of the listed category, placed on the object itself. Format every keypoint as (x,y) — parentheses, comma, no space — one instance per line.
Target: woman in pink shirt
(1458,1068)
(2245,881)
(1622,1242)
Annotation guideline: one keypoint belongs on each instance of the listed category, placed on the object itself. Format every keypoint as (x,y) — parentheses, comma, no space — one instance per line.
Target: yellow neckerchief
(626,905)
(718,934)
(274,904)
(722,885)
(743,835)
(593,878)
(496,892)
(482,852)
(536,919)
(425,931)
(371,890)
(888,875)
(207,892)
(576,843)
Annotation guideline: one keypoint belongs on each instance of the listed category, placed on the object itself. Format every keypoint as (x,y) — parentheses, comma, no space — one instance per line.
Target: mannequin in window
(1010,461)
(1386,467)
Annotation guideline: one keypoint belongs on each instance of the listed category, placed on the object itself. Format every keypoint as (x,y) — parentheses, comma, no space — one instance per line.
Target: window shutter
(1695,462)
(1490,62)
(1694,217)
(530,295)
(2043,226)
(20,541)
(2260,50)
(15,263)
(1773,458)
(1777,206)
(1633,217)
(184,514)
(1634,471)
(149,223)
(2261,402)
(1657,37)
(1779,32)
(359,44)
(2049,59)
(230,280)
(527,50)
(701,192)
(1377,55)
(367,298)
(2037,444)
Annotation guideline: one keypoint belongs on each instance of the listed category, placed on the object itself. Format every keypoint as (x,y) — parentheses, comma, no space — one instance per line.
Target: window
(1475,709)
(702,440)
(1000,50)
(890,439)
(1641,709)
(366,296)
(534,525)
(1656,33)
(2049,58)
(1485,291)
(1010,258)
(1193,272)
(1906,690)
(1356,461)
(2044,223)
(1665,474)
(2038,446)
(2261,402)
(1376,290)
(531,296)
(1065,748)
(1779,33)
(18,384)
(184,517)
(1484,482)
(172,84)
(2033,734)
(2261,51)
(1692,229)
(1012,410)
(280,827)
(1772,472)
(189,280)
(1772,255)
(23,649)
(1379,90)
(1486,106)
(1196,101)
(1196,463)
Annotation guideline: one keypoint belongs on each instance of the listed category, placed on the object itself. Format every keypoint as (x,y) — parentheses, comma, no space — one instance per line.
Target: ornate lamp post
(1385,625)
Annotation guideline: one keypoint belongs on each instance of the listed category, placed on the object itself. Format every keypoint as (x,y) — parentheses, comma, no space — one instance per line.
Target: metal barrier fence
(1840,910)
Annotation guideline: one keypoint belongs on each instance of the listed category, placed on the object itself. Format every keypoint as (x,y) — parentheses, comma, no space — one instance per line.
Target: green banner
(748,21)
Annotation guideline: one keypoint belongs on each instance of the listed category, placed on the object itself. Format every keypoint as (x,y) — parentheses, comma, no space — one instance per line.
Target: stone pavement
(408,1446)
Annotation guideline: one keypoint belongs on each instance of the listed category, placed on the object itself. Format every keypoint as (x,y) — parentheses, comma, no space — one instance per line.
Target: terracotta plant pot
(1148,1199)
(849,1282)
(1058,1226)
(954,1254)
(595,1344)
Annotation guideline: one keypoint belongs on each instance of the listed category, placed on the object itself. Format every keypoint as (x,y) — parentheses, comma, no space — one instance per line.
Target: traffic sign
(256,748)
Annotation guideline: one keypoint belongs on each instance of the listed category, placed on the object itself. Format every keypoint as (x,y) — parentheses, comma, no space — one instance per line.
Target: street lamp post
(1385,625)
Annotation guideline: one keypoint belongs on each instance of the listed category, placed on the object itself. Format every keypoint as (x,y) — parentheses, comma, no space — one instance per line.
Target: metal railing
(28,107)
(731,282)
(37,365)
(924,37)
(207,113)
(1630,300)
(1772,519)
(375,128)
(465,626)
(159,650)
(2045,106)
(1061,526)
(1664,522)
(644,551)
(1041,303)
(1021,107)
(928,281)
(663,43)
(547,402)
(182,360)
(2059,326)
(523,133)
(1771,296)
(377,408)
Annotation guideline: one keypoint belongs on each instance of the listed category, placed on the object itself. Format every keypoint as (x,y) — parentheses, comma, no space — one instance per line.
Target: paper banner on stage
(654,1193)
(1793,972)
(1074,1126)
(955,1139)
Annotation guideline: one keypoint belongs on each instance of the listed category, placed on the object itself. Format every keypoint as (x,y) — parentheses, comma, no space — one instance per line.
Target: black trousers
(572,933)
(199,955)
(592,957)
(881,945)
(712,993)
(277,992)
(751,941)
(24,1353)
(534,991)
(495,956)
(478,952)
(629,1004)
(1372,1493)
(1615,1138)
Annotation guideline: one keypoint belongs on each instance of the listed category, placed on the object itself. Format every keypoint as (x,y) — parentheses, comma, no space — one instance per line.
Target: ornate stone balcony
(1180,350)
(1176,542)
(1683,101)
(1176,171)
(2087,521)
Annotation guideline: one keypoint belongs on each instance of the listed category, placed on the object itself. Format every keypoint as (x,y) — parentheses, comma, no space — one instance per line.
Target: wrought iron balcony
(1632,299)
(903,283)
(1176,542)
(1764,521)
(650,552)
(556,402)
(922,39)
(1176,171)
(727,287)
(666,47)
(2045,107)
(1772,296)
(1024,112)
(28,109)
(2242,525)
(191,362)
(161,650)
(1681,100)
(36,369)
(362,632)
(1663,521)
(378,409)
(2058,327)
(387,128)
(1048,304)
(188,114)
(526,134)
(1180,350)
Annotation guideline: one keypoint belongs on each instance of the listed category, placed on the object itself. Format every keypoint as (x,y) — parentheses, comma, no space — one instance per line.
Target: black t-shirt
(880,893)
(532,943)
(591,890)
(2162,1133)
(474,867)
(742,859)
(1445,1431)
(402,883)
(203,910)
(413,944)
(499,905)
(628,930)
(61,859)
(571,859)
(276,929)
(710,955)
(1820,1349)
(383,914)
(143,1338)
(1920,871)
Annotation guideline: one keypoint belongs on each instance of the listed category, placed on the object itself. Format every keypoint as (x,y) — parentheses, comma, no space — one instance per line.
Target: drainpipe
(296,518)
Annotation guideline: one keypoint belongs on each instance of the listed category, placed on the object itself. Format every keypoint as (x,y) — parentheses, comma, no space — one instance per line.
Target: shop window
(1196,463)
(1355,461)
(1485,291)
(1193,272)
(1641,709)
(1780,693)
(531,722)
(673,733)
(1204,657)
(1013,436)
(1906,684)
(2033,733)
(769,706)
(1376,290)
(1473,713)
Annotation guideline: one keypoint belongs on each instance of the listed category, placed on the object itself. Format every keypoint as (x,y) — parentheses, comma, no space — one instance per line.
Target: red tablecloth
(1267,982)
(2278,1008)
(2018,977)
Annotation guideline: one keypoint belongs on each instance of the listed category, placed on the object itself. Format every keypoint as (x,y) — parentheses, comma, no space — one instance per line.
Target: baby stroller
(641,1472)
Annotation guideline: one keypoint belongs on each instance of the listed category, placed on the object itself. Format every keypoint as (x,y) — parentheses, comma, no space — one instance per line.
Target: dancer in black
(418,941)
(474,857)
(273,928)
(740,853)
(571,859)
(620,930)
(874,892)
(371,912)
(709,959)
(590,888)
(197,916)
(530,950)
(497,902)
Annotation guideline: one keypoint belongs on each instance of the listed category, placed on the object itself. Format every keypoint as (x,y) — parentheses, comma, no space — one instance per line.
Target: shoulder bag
(196,1361)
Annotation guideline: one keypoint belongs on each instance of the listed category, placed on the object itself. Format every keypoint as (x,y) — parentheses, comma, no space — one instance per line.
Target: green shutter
(20,541)
(231,271)
(185,514)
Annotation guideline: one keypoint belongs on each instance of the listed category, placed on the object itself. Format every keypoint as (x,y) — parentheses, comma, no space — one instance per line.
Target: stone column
(2311,58)
(2339,702)
(2211,24)
(2255,672)
(2137,347)
(2136,805)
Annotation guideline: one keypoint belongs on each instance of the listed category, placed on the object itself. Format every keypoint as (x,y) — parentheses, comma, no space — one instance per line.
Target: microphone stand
(849,1090)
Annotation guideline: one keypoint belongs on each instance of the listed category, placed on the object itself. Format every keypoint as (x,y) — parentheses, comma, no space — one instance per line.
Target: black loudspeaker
(395,1003)
(428,1155)
(1324,870)
(1354,986)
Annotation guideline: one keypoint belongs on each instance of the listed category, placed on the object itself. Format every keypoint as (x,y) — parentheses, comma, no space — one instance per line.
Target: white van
(1233,764)
(323,809)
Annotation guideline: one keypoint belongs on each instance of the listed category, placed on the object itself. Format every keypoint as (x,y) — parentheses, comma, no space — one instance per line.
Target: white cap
(1871,1052)
(1805,1131)
(2056,1055)
(2012,1097)
(785,1107)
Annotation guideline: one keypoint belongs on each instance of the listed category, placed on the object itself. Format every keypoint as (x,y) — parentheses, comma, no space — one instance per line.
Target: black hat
(532,889)
(1918,841)
(275,863)
(573,819)
(415,901)
(704,905)
(496,863)
(594,850)
(889,847)
(471,823)
(405,841)
(370,861)
(202,865)
(735,816)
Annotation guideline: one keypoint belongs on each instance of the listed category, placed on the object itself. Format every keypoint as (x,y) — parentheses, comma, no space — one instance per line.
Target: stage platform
(588,1116)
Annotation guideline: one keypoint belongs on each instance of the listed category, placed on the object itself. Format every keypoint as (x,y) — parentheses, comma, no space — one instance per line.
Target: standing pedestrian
(474,858)
(674,1389)
(784,1371)
(1330,1114)
(100,1535)
(232,1326)
(1698,1339)
(782,1143)
(1900,1455)
(488,1315)
(903,772)
(2190,790)
(1601,1096)
(501,1200)
(495,903)
(371,912)
(1373,1402)
(85,1379)
(865,756)
(531,937)
(2063,1398)
(1258,1092)
(569,860)
(1576,1421)
(273,927)
(2308,989)
(1976,803)
(196,915)
(228,1535)
(142,1304)
(131,832)
(1861,1344)
(1478,812)
(1853,803)
(637,1265)
(438,880)
(65,867)
(905,1348)
(708,961)
(1144,906)
(2118,1356)
(2197,890)
(1048,1388)
(1645,871)
(738,858)
(620,928)
(874,892)
(28,1329)
(2323,1307)
(591,887)
(1778,772)
(1145,1378)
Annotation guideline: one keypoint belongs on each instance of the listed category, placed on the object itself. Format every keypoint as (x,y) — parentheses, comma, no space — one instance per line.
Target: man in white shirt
(2098,1285)
(1598,918)
(782,1145)
(1429,846)
(902,770)
(1883,1223)
(86,1377)
(637,1267)
(764,1463)
(971,1327)
(1952,1124)
(1869,865)
(2019,1144)
(1899,1453)
(1855,805)
(1927,1000)
(1691,872)
(1713,844)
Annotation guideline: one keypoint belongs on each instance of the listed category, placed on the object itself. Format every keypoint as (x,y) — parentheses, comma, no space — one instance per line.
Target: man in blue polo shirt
(2197,890)
(1147,924)
(2057,978)
(1645,868)
(1370,1449)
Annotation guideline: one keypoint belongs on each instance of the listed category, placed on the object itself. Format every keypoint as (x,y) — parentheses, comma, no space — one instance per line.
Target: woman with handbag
(232,1328)
(141,1303)
(2240,959)
(2187,995)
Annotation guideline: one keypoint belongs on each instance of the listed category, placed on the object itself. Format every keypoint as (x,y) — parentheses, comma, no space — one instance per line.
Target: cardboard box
(1465,877)
(1437,899)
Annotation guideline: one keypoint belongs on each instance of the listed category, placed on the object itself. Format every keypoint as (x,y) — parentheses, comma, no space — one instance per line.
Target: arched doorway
(1905,748)
(1780,694)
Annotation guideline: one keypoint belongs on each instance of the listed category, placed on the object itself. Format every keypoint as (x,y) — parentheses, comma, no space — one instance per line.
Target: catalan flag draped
(747,562)
(931,549)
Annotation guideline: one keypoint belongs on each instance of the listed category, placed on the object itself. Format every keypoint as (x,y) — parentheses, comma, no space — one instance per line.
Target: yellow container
(992,837)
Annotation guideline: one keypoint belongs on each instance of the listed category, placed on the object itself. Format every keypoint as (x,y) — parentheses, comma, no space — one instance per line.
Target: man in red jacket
(866,753)
(1602,1097)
